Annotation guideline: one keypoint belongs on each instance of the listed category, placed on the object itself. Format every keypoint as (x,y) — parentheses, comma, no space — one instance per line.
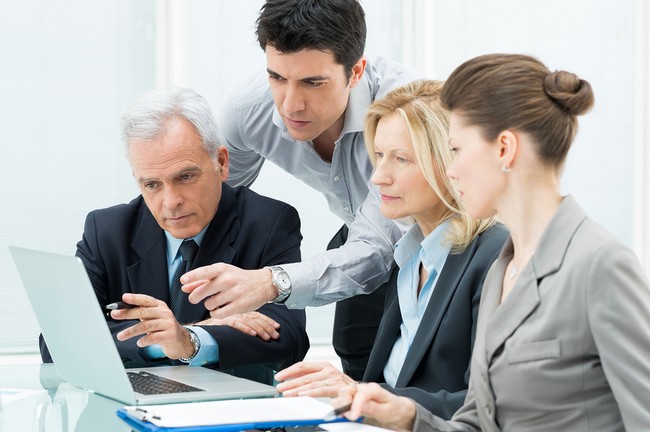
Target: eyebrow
(394,150)
(184,170)
(310,78)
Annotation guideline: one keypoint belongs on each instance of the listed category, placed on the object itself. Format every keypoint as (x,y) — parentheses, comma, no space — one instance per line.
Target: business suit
(435,370)
(124,250)
(568,348)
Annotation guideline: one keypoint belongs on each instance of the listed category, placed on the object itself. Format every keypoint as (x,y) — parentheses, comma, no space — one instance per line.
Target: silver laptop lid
(82,346)
(72,322)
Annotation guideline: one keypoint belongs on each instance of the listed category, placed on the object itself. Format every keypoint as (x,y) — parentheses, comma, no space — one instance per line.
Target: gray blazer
(569,348)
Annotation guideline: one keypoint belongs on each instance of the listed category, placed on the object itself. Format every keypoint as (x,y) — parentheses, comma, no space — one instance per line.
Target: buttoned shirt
(254,132)
(411,251)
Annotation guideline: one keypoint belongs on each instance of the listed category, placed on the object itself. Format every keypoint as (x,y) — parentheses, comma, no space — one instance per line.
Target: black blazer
(124,250)
(436,369)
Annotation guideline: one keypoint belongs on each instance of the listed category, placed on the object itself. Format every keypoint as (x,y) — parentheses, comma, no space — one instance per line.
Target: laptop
(81,345)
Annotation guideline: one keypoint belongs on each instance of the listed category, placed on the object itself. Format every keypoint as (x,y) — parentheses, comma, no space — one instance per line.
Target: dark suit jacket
(436,369)
(124,250)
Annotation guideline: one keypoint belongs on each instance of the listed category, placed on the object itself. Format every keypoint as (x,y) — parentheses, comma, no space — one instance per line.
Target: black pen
(337,412)
(120,305)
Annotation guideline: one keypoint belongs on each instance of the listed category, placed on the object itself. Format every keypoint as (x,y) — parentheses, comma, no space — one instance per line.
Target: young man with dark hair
(306,115)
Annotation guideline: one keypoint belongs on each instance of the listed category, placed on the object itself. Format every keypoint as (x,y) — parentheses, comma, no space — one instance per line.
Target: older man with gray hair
(186,217)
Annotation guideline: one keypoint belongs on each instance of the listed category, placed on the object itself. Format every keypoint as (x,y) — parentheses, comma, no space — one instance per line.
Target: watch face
(283,281)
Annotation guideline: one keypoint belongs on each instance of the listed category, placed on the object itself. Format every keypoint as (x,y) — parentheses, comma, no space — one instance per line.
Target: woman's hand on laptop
(157,326)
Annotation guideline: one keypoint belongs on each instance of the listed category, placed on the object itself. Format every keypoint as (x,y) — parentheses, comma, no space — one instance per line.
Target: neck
(527,213)
(428,224)
(324,143)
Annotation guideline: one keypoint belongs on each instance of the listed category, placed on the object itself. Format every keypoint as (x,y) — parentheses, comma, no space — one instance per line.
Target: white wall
(596,40)
(71,67)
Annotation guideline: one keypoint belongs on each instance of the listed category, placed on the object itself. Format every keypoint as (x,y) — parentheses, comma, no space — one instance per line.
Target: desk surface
(33,398)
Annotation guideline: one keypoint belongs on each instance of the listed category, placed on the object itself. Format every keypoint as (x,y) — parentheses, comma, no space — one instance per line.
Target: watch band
(196,342)
(282,284)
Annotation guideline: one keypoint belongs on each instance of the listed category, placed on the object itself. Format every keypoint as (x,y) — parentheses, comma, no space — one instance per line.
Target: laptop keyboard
(149,384)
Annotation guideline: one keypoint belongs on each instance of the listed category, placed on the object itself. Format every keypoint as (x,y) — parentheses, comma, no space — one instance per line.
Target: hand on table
(311,379)
(251,323)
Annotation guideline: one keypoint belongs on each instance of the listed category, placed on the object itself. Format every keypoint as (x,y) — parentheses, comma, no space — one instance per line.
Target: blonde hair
(427,123)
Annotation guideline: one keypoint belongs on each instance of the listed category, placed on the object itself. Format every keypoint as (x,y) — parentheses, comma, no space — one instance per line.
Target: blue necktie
(188,251)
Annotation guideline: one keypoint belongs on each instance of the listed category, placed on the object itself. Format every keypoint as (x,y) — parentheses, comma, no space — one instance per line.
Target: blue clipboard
(144,425)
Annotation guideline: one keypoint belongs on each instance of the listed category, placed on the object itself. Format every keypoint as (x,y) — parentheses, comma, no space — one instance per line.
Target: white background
(69,69)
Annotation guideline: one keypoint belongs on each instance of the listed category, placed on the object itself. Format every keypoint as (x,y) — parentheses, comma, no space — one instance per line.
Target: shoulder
(383,66)
(253,205)
(119,214)
(117,225)
(384,74)
(496,235)
(490,241)
(252,93)
(593,246)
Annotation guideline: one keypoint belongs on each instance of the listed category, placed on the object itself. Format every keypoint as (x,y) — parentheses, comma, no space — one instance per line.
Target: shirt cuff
(303,284)
(153,352)
(208,354)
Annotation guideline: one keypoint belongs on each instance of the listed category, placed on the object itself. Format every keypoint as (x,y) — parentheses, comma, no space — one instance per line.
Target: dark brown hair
(338,26)
(509,91)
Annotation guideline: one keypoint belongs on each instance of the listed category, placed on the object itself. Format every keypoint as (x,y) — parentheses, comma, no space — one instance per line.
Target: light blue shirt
(209,352)
(254,132)
(411,250)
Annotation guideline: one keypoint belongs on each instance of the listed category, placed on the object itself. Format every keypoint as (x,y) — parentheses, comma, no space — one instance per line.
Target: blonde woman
(563,337)
(424,342)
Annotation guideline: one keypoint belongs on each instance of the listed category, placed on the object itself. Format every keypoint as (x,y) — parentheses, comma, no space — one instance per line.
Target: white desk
(33,399)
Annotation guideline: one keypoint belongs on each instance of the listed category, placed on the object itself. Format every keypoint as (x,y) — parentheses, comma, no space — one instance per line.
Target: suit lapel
(525,297)
(221,233)
(520,303)
(216,246)
(443,292)
(149,274)
(386,335)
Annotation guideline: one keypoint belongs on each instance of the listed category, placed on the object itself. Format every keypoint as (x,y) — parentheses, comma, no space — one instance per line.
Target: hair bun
(569,92)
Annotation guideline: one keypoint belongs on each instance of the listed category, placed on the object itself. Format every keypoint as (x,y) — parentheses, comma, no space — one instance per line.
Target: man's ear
(357,72)
(223,158)
(507,144)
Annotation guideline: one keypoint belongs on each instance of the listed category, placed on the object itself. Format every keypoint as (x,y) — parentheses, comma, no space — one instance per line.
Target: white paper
(232,412)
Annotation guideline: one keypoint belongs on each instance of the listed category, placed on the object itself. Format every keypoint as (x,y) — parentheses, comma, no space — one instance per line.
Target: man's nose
(172,198)
(293,100)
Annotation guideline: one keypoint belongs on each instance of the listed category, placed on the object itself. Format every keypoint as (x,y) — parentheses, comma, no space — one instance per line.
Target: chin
(183,233)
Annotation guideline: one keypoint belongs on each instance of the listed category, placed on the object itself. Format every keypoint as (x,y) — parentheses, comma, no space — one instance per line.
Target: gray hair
(147,117)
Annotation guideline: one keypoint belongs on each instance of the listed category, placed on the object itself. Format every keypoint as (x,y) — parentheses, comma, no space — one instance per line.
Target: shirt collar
(432,250)
(173,244)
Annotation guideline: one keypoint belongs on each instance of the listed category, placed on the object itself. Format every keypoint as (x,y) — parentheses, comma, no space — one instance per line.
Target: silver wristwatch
(196,343)
(281,282)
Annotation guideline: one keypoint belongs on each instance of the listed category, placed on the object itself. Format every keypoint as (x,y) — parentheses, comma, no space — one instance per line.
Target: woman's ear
(507,145)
